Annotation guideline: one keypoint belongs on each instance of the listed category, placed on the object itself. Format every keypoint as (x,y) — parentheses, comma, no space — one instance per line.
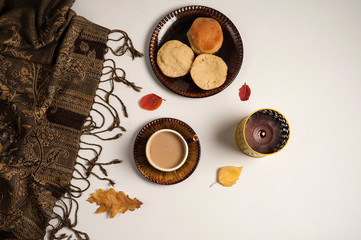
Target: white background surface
(302,58)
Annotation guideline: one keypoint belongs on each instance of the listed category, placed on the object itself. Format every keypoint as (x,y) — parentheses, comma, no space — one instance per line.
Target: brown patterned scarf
(51,62)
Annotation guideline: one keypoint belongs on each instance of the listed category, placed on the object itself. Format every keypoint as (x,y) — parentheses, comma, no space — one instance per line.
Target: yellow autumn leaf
(113,202)
(228,176)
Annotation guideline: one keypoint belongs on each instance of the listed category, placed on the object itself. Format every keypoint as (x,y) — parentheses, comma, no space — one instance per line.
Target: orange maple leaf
(113,202)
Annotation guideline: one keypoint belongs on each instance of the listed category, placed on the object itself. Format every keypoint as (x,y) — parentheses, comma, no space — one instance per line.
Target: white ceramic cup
(166,150)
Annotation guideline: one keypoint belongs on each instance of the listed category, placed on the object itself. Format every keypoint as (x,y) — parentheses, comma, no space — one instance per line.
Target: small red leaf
(244,92)
(151,102)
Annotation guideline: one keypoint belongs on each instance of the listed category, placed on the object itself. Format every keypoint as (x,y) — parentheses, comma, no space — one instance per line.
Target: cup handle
(191,139)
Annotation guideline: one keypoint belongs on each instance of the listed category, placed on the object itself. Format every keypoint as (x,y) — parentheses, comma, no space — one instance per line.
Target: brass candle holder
(262,133)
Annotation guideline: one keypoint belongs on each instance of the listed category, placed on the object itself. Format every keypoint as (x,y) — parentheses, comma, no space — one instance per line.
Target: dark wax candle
(264,132)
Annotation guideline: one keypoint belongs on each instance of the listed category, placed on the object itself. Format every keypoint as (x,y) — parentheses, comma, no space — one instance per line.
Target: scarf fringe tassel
(66,209)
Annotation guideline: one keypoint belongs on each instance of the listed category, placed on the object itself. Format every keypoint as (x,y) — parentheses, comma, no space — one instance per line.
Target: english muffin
(175,58)
(208,71)
(205,35)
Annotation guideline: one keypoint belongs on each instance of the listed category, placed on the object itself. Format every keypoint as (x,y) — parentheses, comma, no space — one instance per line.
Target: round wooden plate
(174,26)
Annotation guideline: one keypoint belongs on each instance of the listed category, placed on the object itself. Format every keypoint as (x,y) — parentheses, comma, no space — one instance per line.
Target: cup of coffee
(166,150)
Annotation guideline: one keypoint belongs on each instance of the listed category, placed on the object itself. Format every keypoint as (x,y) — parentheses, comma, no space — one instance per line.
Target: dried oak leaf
(228,176)
(244,92)
(113,202)
(151,102)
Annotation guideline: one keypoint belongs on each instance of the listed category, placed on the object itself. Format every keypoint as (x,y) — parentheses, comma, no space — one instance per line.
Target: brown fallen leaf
(228,176)
(113,202)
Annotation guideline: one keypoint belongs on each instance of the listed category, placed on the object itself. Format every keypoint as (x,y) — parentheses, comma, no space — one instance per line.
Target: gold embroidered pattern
(49,79)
